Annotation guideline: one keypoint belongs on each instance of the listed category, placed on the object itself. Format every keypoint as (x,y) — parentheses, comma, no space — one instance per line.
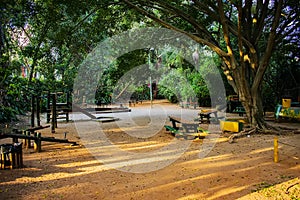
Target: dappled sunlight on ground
(229,171)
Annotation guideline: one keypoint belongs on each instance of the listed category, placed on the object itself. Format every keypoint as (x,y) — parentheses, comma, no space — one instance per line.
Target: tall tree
(243,33)
(12,16)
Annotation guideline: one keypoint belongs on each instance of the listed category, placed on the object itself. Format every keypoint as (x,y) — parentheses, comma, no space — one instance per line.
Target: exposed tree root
(241,134)
(263,129)
(279,127)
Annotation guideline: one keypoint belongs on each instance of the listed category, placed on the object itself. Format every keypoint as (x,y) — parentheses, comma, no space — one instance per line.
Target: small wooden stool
(11,156)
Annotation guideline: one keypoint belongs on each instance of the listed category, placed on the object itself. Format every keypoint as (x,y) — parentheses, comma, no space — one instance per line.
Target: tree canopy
(49,39)
(243,33)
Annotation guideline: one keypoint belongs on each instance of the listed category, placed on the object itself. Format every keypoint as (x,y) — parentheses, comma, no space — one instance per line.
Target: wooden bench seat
(171,129)
(239,110)
(185,129)
(205,115)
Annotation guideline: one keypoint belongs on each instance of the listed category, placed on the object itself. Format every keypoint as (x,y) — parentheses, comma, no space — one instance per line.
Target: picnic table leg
(201,118)
(216,115)
(174,124)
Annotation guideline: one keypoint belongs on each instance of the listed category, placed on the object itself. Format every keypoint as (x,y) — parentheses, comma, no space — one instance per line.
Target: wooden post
(48,107)
(55,109)
(53,113)
(20,156)
(68,106)
(28,140)
(32,110)
(65,135)
(25,140)
(37,142)
(15,140)
(2,159)
(67,116)
(276,149)
(174,124)
(38,110)
(12,161)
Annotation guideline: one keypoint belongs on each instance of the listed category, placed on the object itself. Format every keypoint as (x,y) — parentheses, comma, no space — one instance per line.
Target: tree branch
(215,48)
(258,30)
(223,21)
(189,19)
(268,52)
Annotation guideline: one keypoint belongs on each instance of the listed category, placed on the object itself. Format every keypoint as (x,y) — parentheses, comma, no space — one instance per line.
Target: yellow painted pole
(276,149)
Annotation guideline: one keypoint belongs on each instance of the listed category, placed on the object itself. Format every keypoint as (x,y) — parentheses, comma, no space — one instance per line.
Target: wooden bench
(11,156)
(185,129)
(206,115)
(134,101)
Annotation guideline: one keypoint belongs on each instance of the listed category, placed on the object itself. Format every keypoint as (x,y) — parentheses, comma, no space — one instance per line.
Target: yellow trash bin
(286,103)
(232,126)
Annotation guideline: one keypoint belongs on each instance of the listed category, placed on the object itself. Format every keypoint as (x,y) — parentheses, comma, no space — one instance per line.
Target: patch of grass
(286,190)
(262,186)
(286,177)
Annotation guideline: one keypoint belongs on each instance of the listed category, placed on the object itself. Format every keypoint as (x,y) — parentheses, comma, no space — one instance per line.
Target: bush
(7,114)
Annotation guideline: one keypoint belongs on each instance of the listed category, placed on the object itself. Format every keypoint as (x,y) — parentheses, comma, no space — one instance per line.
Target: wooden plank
(179,120)
(37,128)
(30,137)
(77,108)
(171,129)
(208,111)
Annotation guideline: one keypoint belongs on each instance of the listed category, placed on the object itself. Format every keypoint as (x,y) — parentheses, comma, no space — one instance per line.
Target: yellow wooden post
(37,142)
(275,149)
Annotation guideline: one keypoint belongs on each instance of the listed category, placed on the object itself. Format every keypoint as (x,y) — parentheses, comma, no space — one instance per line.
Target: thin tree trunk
(123,90)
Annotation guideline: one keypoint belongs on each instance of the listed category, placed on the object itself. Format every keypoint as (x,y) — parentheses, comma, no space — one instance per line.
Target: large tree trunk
(250,99)
(249,46)
(254,109)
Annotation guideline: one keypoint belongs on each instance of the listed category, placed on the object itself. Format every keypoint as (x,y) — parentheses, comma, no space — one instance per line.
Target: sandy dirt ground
(136,158)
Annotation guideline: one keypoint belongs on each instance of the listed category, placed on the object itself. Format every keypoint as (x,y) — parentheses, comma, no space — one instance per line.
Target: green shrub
(7,114)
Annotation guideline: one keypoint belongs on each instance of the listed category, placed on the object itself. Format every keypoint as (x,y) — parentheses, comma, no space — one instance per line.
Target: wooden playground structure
(56,108)
(11,154)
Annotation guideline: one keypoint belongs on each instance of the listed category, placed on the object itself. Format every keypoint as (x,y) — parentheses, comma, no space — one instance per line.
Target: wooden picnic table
(239,110)
(206,114)
(187,128)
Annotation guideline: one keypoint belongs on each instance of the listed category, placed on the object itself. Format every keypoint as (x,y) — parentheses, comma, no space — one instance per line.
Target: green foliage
(7,114)
(60,34)
(168,94)
(141,93)
(282,78)
(14,99)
